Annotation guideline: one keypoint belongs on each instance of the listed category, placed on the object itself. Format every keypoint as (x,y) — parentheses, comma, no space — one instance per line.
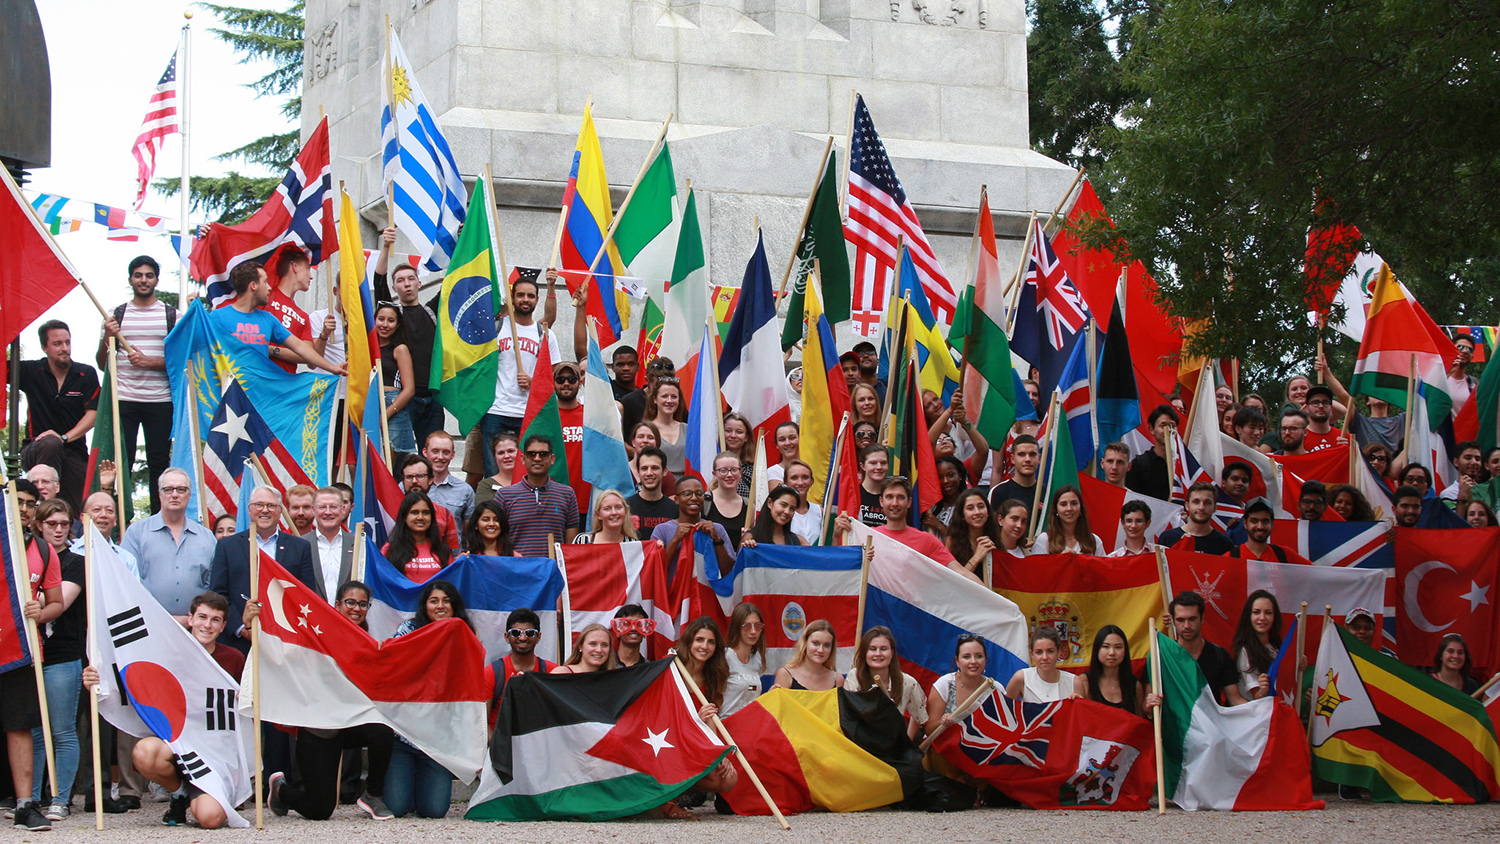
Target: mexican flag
(1251,757)
(593,747)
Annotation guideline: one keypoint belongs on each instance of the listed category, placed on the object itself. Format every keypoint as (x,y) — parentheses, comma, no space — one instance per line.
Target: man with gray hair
(172,551)
(46,479)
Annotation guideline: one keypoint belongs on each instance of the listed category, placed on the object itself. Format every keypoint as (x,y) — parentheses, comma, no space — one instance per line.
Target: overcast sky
(106,56)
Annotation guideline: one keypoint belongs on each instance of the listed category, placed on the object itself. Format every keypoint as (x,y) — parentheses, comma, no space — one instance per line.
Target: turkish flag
(1445,580)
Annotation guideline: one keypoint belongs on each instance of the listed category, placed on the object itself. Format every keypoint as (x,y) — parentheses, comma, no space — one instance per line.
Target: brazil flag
(464,354)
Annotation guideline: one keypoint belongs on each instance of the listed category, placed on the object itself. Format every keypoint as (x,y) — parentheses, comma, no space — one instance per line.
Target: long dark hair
(398,337)
(1096,671)
(474,542)
(460,612)
(1081,530)
(1244,634)
(959,543)
(1437,658)
(765,526)
(862,673)
(403,543)
(716,669)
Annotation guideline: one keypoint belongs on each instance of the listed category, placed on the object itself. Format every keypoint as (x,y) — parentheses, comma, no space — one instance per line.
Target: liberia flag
(237,433)
(593,747)
(603,578)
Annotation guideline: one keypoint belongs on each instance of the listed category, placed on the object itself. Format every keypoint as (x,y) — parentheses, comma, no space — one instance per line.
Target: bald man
(101,508)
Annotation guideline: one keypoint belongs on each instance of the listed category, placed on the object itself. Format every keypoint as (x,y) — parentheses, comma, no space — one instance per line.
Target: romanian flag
(589,215)
(1076,595)
(1397,334)
(825,393)
(362,347)
(1403,735)
(806,748)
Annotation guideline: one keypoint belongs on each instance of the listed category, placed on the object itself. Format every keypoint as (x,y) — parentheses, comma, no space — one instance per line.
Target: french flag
(928,605)
(703,412)
(750,371)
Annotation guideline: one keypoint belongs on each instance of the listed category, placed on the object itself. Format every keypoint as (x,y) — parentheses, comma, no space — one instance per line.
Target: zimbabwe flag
(1405,736)
(593,747)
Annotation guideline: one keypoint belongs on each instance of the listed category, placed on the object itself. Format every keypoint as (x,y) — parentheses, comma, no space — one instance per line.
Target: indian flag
(593,747)
(989,380)
(1248,757)
(1398,346)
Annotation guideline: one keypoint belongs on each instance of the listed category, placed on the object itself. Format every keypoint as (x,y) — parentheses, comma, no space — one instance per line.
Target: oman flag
(593,747)
(1445,582)
(603,578)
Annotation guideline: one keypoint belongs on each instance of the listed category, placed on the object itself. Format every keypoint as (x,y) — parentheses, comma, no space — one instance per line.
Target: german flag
(1403,735)
(835,750)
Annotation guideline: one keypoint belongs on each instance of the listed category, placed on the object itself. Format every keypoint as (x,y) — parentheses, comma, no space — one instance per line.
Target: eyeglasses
(624,626)
(690,493)
(55,523)
(353,604)
(174,490)
(410,478)
(25,502)
(538,455)
(753,626)
(264,505)
(726,470)
(518,633)
(1294,427)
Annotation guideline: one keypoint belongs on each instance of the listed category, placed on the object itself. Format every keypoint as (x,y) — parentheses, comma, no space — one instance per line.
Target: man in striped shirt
(144,393)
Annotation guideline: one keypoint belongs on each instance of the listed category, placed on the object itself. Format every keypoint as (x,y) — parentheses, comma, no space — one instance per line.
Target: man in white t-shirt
(512,386)
(143,390)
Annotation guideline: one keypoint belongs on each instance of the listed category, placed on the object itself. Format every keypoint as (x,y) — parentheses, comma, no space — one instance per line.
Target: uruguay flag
(703,412)
(927,605)
(750,371)
(491,588)
(605,465)
(419,171)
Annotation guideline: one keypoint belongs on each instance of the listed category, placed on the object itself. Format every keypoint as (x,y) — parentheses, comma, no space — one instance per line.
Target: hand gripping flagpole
(962,710)
(91,609)
(1161,765)
(23,594)
(724,734)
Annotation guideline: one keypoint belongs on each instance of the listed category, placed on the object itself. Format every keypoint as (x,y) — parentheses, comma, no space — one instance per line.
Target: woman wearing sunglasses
(745,649)
(631,627)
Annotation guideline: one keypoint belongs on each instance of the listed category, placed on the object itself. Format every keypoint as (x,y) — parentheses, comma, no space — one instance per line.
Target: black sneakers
(28,816)
(176,811)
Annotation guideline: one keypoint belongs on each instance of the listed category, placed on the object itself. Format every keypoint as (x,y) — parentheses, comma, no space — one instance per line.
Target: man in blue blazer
(229,574)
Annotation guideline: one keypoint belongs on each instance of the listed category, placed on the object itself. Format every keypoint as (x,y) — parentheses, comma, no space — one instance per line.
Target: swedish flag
(464,354)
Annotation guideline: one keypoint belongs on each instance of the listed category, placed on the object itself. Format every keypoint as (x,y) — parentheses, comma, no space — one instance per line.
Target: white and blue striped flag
(419,170)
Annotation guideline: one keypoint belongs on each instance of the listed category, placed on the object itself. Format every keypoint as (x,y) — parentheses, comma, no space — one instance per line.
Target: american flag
(879,215)
(160,121)
(236,433)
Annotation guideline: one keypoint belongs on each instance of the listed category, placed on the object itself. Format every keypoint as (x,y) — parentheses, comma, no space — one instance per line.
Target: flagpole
(1061,202)
(184,87)
(1411,400)
(1164,577)
(755,475)
(1327,620)
(1172,467)
(390,94)
(957,713)
(848,157)
(122,471)
(963,366)
(360,553)
(866,554)
(614,223)
(1301,637)
(260,794)
(806,214)
(839,442)
(1021,267)
(91,613)
(385,427)
(1049,445)
(510,290)
(1093,372)
(1161,765)
(718,726)
(1479,692)
(24,593)
(197,473)
(713,368)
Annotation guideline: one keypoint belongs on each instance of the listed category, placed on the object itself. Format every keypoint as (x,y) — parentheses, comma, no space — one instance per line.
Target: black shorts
(19,708)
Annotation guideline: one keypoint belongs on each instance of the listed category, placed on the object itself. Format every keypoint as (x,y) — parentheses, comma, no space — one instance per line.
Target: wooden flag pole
(197,474)
(1161,765)
(91,612)
(385,424)
(1411,400)
(1327,619)
(1165,578)
(757,472)
(1301,638)
(1048,445)
(865,557)
(510,289)
(848,147)
(718,726)
(963,365)
(839,443)
(260,786)
(1172,466)
(1025,257)
(122,468)
(360,554)
(609,234)
(713,368)
(24,594)
(390,94)
(806,214)
(1479,692)
(1051,218)
(957,713)
(1093,372)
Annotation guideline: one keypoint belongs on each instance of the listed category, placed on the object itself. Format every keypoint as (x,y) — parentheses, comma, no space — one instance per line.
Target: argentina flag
(419,171)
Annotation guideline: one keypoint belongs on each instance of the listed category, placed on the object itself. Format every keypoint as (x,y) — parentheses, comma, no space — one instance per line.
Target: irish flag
(1251,757)
(593,747)
(1398,333)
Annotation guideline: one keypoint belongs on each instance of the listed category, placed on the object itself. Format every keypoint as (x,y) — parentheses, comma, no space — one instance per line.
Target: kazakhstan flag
(464,355)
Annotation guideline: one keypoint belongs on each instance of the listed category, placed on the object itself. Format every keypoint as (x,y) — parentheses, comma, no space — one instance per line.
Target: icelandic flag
(1076,402)
(419,171)
(605,465)
(326,673)
(795,585)
(237,433)
(491,587)
(703,413)
(750,370)
(15,650)
(602,578)
(1051,315)
(155,679)
(927,605)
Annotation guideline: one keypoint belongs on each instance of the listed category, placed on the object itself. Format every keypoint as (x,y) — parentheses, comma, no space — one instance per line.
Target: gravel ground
(1357,823)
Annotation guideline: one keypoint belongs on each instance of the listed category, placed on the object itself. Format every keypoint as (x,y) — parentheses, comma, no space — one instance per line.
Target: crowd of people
(501,500)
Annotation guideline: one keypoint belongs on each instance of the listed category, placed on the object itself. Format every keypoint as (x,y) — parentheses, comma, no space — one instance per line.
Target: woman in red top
(416,545)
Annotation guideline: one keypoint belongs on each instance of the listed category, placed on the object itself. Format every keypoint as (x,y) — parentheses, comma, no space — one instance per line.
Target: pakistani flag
(593,747)
(465,357)
(823,240)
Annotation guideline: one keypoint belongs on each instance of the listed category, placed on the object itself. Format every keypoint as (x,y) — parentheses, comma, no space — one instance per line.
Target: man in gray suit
(333,547)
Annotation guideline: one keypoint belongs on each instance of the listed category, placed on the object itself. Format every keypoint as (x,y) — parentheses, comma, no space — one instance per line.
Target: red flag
(1329,465)
(603,578)
(1445,581)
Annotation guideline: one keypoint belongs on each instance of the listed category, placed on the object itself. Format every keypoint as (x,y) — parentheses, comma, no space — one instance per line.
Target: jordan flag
(593,747)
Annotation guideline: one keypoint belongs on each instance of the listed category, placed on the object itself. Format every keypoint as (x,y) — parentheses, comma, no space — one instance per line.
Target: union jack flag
(1050,314)
(159,122)
(879,217)
(1358,544)
(1008,732)
(1185,469)
(237,433)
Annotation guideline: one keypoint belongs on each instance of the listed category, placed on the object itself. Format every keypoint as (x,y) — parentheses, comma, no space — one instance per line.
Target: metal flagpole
(187,180)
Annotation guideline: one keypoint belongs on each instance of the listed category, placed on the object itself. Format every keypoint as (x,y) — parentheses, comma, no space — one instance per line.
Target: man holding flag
(246,320)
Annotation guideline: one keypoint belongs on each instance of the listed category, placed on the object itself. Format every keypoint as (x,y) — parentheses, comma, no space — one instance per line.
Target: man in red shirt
(567,380)
(895,502)
(293,272)
(1259,519)
(1320,431)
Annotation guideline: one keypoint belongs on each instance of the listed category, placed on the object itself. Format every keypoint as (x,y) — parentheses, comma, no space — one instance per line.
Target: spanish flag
(1076,595)
(1403,735)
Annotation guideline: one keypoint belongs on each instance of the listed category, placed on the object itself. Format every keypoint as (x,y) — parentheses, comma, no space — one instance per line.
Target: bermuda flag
(322,672)
(1251,757)
(237,433)
(155,679)
(927,605)
(750,370)
(1103,501)
(593,747)
(795,585)
(15,650)
(491,586)
(300,212)
(603,578)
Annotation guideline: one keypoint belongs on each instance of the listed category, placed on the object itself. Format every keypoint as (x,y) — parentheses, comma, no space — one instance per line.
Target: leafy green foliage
(232,196)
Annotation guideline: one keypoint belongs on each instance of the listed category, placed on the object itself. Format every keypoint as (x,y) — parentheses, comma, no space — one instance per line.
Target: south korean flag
(155,679)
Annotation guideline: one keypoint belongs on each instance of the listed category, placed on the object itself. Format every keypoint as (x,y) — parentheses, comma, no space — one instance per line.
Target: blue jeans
(426,416)
(414,781)
(492,425)
(63,683)
(399,424)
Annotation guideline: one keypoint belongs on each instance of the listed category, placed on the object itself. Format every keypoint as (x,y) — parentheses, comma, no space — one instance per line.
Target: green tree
(257,35)
(1258,106)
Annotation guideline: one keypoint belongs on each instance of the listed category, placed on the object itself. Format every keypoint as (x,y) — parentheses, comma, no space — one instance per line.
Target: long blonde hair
(626,528)
(576,657)
(799,656)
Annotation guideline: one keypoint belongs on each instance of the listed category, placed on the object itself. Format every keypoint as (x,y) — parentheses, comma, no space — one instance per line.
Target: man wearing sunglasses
(631,627)
(537,506)
(523,630)
(567,379)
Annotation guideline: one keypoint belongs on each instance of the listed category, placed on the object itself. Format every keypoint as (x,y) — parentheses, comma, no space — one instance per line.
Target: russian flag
(491,587)
(928,605)
(751,373)
(703,413)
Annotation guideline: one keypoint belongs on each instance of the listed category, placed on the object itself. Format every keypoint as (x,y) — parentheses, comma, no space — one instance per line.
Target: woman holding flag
(876,667)
(807,520)
(399,384)
(1043,682)
(773,524)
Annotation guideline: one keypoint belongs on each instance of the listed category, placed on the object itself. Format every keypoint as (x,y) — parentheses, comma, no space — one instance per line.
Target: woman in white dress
(1067,527)
(1044,682)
